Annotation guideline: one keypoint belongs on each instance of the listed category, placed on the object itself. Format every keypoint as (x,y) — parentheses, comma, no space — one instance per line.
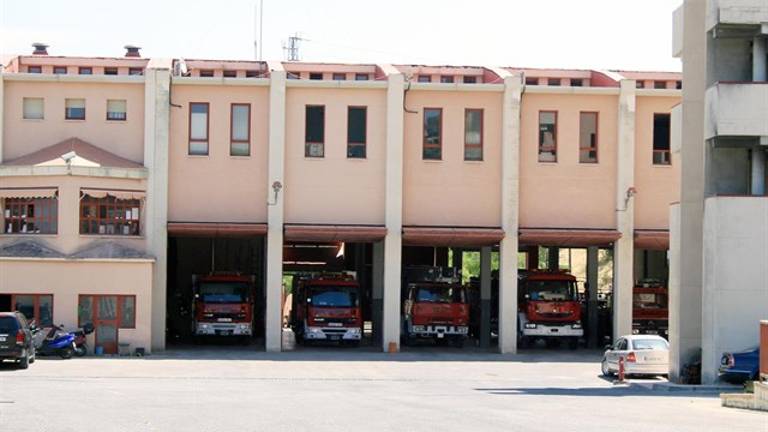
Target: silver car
(642,354)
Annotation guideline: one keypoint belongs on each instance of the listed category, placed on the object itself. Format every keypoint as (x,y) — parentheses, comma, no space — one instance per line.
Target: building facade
(121,176)
(719,241)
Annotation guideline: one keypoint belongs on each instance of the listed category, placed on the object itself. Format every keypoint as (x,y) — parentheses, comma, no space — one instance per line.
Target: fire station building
(120,178)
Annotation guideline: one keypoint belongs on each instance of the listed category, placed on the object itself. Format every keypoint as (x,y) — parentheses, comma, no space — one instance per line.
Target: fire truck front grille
(555,314)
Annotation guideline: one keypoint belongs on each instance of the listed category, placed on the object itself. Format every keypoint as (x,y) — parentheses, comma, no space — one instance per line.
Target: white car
(643,355)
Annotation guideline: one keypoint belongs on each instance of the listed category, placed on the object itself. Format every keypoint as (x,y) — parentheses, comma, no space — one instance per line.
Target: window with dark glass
(679,85)
(135,71)
(251,74)
(110,71)
(206,73)
(117,110)
(30,215)
(74,109)
(34,69)
(577,82)
(553,82)
(356,132)
(34,307)
(588,137)
(531,81)
(473,134)
(446,79)
(433,131)
(315,76)
(424,78)
(60,70)
(314,133)
(85,71)
(109,215)
(339,77)
(230,74)
(639,84)
(240,130)
(659,85)
(361,77)
(661,139)
(198,128)
(547,136)
(469,79)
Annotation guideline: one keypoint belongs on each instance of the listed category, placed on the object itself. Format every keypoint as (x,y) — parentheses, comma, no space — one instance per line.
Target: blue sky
(586,34)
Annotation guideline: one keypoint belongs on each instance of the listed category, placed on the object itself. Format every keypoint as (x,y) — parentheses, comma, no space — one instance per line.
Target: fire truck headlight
(418,328)
(530,325)
(635,331)
(576,326)
(354,331)
(204,326)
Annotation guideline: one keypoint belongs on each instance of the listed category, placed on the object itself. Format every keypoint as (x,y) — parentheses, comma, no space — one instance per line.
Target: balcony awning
(214,229)
(449,236)
(331,233)
(120,194)
(567,237)
(652,239)
(43,192)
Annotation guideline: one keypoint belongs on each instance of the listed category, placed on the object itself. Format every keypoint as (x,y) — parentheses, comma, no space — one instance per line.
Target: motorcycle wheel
(80,350)
(66,353)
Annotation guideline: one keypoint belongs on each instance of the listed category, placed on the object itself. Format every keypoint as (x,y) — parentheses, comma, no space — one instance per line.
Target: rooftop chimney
(40,49)
(132,51)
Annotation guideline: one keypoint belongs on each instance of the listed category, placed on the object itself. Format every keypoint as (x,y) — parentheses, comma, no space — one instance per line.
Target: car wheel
(24,361)
(605,369)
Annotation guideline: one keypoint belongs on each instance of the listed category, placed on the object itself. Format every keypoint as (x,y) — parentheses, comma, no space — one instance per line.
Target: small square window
(361,77)
(577,82)
(424,78)
(339,77)
(60,70)
(34,108)
(639,84)
(446,79)
(251,74)
(553,82)
(34,69)
(470,80)
(74,109)
(116,109)
(230,74)
(110,71)
(531,81)
(85,71)
(658,85)
(315,76)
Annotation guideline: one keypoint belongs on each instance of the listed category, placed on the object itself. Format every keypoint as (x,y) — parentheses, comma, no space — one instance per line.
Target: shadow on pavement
(622,391)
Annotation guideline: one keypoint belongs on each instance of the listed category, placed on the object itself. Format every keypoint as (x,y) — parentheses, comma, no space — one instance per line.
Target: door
(106,323)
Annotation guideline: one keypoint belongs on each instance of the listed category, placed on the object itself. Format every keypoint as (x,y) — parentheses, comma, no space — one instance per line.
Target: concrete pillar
(157,115)
(377,290)
(485,297)
(275,209)
(553,258)
(510,199)
(592,270)
(533,258)
(758,171)
(759,59)
(393,218)
(623,257)
(687,217)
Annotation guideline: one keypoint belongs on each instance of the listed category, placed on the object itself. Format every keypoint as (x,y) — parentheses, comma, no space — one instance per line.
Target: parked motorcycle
(56,342)
(81,348)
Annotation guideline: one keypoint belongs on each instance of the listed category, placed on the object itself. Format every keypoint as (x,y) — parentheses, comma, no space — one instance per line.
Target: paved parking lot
(225,389)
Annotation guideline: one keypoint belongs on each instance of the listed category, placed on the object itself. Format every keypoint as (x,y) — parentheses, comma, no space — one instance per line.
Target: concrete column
(759,59)
(485,297)
(758,171)
(157,115)
(553,258)
(592,270)
(510,199)
(275,208)
(377,290)
(687,217)
(393,242)
(623,257)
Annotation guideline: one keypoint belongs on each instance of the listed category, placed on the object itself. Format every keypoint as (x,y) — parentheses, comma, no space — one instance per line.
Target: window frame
(52,218)
(424,78)
(482,135)
(339,76)
(34,69)
(125,114)
(447,79)
(118,312)
(229,73)
(206,73)
(87,201)
(596,148)
(539,143)
(232,139)
(59,68)
(306,129)
(364,143)
(35,306)
(668,151)
(109,70)
(426,145)
(207,139)
(362,76)
(23,108)
(66,109)
(81,70)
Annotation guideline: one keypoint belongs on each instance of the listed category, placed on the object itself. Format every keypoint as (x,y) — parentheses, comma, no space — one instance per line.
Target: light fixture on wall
(276,188)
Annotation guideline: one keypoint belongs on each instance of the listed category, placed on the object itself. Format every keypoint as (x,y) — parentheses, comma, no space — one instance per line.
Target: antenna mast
(291,49)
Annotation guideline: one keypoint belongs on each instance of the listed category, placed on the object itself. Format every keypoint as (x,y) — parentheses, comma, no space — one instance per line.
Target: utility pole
(291,49)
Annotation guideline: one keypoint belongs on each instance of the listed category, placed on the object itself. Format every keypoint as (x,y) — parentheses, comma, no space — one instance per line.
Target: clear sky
(584,34)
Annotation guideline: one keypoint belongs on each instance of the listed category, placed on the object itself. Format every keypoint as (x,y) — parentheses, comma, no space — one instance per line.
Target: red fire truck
(434,305)
(650,310)
(327,308)
(223,304)
(549,308)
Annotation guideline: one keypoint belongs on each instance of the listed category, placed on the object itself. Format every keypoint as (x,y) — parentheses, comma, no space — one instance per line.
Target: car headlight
(530,325)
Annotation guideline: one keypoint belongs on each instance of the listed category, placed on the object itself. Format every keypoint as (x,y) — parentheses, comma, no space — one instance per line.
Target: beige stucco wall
(452,192)
(123,138)
(218,187)
(335,189)
(68,239)
(657,185)
(64,279)
(568,194)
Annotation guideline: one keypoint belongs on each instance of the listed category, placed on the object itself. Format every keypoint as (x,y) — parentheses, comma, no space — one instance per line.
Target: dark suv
(16,339)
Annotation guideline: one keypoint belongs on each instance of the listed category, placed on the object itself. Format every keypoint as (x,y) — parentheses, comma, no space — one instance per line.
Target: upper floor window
(547,136)
(356,132)
(240,130)
(577,82)
(679,85)
(206,73)
(34,108)
(110,71)
(34,69)
(251,73)
(339,77)
(60,70)
(424,78)
(230,74)
(108,215)
(659,85)
(117,109)
(315,76)
(37,307)
(531,81)
(473,134)
(30,215)
(74,109)
(470,79)
(85,71)
(661,139)
(639,84)
(361,77)
(433,134)
(446,79)
(588,137)
(135,71)
(314,133)
(198,128)
(554,82)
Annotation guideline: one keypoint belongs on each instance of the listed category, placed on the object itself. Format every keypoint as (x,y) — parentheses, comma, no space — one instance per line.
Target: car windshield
(649,344)
(551,290)
(439,294)
(224,292)
(8,325)
(650,301)
(330,296)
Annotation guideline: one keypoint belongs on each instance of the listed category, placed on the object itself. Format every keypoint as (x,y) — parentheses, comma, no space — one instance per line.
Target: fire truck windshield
(223,292)
(650,300)
(337,297)
(439,294)
(551,290)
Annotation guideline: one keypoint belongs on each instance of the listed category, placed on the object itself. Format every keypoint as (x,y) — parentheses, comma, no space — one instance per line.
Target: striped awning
(120,194)
(47,192)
